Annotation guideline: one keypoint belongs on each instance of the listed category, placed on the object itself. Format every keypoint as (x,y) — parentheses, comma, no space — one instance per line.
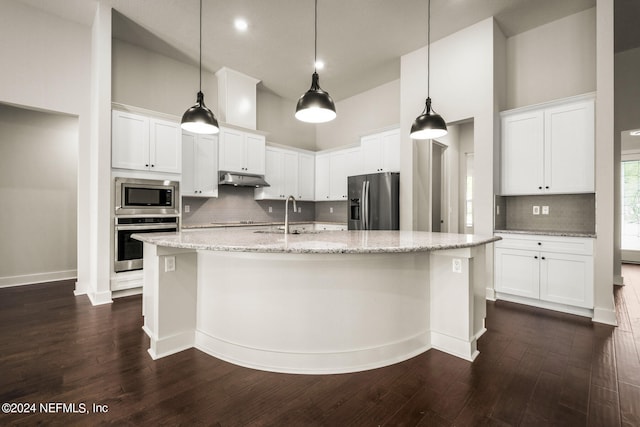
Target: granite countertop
(547,233)
(254,224)
(327,242)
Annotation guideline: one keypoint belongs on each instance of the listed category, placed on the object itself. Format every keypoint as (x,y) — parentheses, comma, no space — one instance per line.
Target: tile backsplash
(235,204)
(571,213)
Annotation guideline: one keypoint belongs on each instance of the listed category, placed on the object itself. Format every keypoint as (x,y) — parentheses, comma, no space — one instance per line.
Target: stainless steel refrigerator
(374,201)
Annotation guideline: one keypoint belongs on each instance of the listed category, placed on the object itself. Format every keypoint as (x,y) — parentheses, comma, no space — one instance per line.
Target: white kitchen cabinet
(306,176)
(549,149)
(539,270)
(199,165)
(332,170)
(242,152)
(281,172)
(145,143)
(381,152)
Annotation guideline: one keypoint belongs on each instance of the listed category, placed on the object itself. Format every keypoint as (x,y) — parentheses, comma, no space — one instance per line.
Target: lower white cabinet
(199,165)
(545,269)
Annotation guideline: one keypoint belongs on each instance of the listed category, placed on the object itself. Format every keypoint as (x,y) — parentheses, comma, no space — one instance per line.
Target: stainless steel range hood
(242,180)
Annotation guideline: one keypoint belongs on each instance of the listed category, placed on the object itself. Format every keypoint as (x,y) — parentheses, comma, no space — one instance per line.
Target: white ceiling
(360,41)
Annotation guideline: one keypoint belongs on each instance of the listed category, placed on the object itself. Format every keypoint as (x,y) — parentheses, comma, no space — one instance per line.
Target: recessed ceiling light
(319,65)
(635,133)
(241,24)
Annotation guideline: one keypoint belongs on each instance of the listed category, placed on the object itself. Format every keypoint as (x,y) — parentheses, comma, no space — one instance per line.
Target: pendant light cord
(428,45)
(315,40)
(200,89)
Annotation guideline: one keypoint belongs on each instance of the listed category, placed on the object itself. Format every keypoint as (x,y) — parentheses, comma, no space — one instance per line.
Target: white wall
(359,115)
(276,117)
(461,88)
(552,61)
(38,183)
(47,67)
(146,79)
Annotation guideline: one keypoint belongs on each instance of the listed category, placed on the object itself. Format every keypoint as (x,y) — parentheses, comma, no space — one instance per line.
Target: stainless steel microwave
(146,197)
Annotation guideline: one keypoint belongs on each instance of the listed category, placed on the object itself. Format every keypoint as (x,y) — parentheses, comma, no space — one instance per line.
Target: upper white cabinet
(145,143)
(549,149)
(289,173)
(381,152)
(545,269)
(332,170)
(241,151)
(199,165)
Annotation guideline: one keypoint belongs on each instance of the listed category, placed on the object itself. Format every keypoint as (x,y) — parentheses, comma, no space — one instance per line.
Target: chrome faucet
(286,213)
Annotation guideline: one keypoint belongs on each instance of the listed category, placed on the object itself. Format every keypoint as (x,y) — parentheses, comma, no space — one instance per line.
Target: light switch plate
(536,210)
(545,210)
(169,264)
(457,265)
(187,208)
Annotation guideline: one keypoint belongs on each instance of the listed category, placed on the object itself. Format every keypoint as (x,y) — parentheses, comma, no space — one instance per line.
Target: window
(630,192)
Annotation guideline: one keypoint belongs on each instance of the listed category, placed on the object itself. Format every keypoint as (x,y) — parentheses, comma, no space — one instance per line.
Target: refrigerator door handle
(366,205)
(363,209)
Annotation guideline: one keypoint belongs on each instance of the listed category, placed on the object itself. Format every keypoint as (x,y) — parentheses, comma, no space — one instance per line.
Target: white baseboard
(606,316)
(30,279)
(618,280)
(99,298)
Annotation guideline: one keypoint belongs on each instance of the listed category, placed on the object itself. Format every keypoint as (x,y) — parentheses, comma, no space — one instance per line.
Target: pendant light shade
(200,119)
(429,124)
(315,106)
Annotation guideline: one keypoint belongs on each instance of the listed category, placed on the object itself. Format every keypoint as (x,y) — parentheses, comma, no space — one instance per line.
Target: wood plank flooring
(536,368)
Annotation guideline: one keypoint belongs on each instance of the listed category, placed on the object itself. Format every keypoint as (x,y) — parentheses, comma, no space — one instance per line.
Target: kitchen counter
(316,303)
(327,242)
(247,224)
(547,233)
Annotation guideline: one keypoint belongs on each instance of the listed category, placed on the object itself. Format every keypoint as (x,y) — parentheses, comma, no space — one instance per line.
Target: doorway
(439,220)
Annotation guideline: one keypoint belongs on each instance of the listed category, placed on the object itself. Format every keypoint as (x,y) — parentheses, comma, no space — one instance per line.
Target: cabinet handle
(153,166)
(146,166)
(539,188)
(547,187)
(539,244)
(543,258)
(536,256)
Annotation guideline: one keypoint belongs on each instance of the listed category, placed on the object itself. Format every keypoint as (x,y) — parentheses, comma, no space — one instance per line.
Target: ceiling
(360,41)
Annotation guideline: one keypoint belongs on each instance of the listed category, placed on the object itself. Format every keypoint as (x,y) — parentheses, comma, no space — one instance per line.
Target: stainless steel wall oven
(142,206)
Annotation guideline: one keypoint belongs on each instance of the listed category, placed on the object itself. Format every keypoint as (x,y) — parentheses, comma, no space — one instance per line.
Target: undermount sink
(277,231)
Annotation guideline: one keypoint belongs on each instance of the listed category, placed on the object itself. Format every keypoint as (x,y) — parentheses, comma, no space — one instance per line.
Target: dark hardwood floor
(536,368)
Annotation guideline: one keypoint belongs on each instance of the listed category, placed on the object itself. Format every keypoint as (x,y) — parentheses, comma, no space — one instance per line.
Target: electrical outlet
(545,210)
(497,209)
(270,209)
(536,210)
(187,208)
(300,209)
(169,264)
(330,210)
(457,265)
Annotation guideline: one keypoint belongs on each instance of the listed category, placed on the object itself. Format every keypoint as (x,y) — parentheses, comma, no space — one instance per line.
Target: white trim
(31,279)
(100,298)
(606,316)
(579,311)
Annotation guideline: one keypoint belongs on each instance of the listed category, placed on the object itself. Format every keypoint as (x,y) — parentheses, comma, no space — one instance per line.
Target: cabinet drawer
(558,244)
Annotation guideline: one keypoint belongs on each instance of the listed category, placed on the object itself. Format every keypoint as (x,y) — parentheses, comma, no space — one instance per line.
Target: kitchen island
(327,302)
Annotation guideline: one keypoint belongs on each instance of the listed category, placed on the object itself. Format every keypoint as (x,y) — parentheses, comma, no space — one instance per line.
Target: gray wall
(552,61)
(38,189)
(359,115)
(276,117)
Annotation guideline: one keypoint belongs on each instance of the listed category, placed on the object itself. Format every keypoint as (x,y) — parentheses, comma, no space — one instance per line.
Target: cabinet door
(372,153)
(338,176)
(255,154)
(273,175)
(322,177)
(232,148)
(165,154)
(522,153)
(206,165)
(569,148)
(517,272)
(566,279)
(290,174)
(306,177)
(129,141)
(353,166)
(391,151)
(188,181)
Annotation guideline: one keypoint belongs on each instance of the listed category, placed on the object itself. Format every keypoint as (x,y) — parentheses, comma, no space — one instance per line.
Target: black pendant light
(429,124)
(199,119)
(315,106)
